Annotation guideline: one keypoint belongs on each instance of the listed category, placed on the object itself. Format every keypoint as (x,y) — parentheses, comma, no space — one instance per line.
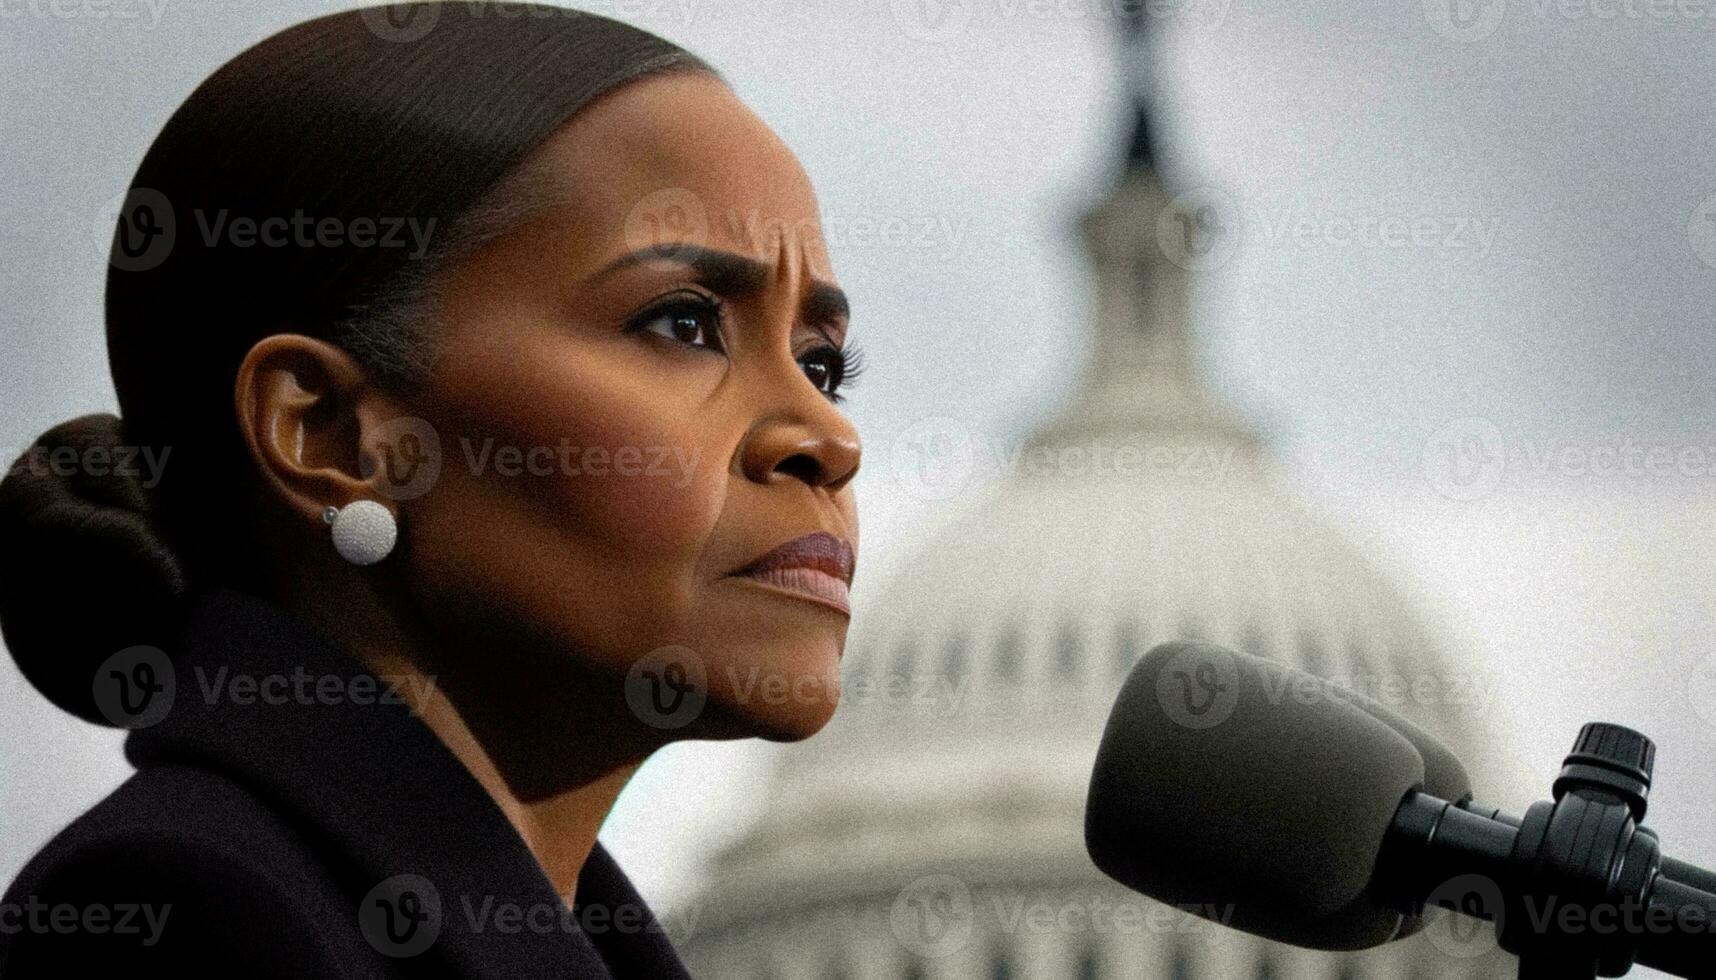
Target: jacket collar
(320,738)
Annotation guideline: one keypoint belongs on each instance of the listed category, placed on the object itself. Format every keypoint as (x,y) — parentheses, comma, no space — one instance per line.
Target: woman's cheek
(646,486)
(634,469)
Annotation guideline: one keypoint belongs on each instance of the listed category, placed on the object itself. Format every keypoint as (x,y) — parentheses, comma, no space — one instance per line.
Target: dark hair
(415,112)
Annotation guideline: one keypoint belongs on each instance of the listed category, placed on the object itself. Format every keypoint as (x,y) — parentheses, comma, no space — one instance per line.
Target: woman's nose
(810,441)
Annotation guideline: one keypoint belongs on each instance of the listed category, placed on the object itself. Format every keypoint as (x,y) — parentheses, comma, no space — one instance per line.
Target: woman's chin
(771,679)
(787,720)
(797,727)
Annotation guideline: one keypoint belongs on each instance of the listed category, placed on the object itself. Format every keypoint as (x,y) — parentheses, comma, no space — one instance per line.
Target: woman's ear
(310,416)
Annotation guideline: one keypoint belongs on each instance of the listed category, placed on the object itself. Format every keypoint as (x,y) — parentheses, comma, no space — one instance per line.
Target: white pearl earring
(364,531)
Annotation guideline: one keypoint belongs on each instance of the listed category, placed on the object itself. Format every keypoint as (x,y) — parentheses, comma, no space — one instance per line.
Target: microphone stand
(1584,890)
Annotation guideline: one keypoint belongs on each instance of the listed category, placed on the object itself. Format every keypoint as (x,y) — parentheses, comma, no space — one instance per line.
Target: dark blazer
(306,831)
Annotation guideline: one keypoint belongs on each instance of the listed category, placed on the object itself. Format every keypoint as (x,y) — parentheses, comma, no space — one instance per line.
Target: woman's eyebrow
(730,272)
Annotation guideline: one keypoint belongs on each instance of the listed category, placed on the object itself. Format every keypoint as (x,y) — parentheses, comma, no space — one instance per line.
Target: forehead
(679,158)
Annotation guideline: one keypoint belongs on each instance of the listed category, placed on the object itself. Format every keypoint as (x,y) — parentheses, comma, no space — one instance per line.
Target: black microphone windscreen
(1257,792)
(1445,775)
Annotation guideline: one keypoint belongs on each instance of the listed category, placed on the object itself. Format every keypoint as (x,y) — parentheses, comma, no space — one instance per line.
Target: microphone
(1311,815)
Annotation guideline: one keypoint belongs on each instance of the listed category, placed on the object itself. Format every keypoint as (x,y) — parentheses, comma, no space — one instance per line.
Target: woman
(479,370)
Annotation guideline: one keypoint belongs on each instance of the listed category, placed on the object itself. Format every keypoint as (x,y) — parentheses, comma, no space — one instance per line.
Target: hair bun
(83,572)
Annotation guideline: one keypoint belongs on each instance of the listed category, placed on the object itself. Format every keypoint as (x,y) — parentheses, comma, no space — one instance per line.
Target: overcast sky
(1448,221)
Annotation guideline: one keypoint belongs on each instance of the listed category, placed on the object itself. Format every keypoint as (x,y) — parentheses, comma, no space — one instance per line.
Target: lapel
(388,797)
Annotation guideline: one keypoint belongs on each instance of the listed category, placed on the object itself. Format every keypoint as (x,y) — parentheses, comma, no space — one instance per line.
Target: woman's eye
(692,322)
(830,369)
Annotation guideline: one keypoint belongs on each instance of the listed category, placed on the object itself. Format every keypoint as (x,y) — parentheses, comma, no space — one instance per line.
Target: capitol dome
(941,809)
(934,829)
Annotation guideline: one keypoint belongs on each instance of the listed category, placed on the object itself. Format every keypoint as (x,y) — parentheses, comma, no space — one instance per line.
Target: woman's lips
(815,566)
(809,583)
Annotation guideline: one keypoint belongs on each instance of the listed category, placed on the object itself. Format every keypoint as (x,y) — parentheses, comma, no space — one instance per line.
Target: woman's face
(634,395)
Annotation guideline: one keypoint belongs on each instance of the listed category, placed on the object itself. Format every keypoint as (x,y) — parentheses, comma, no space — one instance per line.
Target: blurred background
(1453,274)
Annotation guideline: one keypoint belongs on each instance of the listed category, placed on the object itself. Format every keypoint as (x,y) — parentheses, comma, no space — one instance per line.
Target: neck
(559,828)
(550,761)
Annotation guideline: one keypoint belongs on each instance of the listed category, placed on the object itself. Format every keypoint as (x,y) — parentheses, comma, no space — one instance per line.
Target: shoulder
(178,867)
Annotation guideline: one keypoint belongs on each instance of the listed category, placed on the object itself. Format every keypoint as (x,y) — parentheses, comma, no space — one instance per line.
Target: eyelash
(678,303)
(847,362)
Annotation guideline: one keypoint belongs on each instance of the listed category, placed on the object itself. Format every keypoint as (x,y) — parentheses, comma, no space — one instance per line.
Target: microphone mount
(1578,888)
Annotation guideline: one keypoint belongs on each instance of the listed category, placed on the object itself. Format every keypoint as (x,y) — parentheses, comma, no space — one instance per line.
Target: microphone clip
(1583,859)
